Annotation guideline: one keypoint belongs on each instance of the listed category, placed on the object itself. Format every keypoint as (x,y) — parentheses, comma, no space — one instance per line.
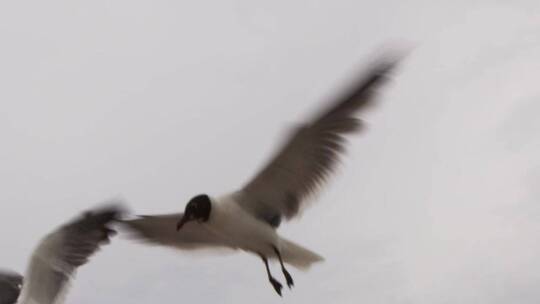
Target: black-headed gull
(247,219)
(57,257)
(10,287)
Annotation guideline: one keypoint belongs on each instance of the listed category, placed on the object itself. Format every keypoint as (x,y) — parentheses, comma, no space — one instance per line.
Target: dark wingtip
(109,211)
(100,218)
(384,66)
(387,59)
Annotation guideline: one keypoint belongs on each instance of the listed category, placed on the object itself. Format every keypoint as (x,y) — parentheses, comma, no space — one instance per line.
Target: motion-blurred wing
(60,253)
(310,154)
(10,287)
(161,230)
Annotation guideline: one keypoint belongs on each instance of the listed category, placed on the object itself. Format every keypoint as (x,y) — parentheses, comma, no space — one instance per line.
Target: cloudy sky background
(156,101)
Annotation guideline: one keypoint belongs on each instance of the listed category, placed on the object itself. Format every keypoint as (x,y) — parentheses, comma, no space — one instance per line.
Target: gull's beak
(185,219)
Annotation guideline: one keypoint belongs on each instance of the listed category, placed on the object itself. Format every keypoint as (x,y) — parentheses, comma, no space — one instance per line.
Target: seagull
(247,219)
(54,262)
(10,287)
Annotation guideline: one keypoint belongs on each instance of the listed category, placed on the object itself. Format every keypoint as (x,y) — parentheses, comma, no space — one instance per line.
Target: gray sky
(156,101)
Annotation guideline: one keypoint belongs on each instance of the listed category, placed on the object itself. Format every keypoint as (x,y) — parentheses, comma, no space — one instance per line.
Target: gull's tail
(298,256)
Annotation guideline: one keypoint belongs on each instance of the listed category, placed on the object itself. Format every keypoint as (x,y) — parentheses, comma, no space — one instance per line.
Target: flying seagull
(54,262)
(247,219)
(10,287)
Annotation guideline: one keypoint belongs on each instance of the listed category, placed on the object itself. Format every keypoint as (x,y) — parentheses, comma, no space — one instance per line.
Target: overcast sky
(156,101)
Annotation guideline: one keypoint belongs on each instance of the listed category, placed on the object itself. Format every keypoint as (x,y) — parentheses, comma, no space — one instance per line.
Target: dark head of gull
(198,209)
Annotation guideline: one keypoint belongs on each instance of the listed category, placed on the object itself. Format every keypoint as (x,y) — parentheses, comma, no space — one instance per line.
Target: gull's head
(197,209)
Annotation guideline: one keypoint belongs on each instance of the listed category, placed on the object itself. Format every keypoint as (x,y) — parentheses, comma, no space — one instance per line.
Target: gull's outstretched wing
(60,253)
(310,153)
(161,230)
(10,287)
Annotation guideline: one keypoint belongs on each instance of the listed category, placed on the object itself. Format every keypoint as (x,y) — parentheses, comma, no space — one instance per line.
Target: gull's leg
(287,275)
(275,283)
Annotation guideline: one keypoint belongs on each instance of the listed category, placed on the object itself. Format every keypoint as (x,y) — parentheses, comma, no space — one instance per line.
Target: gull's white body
(239,228)
(242,230)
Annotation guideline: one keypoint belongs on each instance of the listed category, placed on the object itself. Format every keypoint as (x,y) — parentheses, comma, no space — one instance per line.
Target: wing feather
(305,161)
(56,259)
(161,230)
